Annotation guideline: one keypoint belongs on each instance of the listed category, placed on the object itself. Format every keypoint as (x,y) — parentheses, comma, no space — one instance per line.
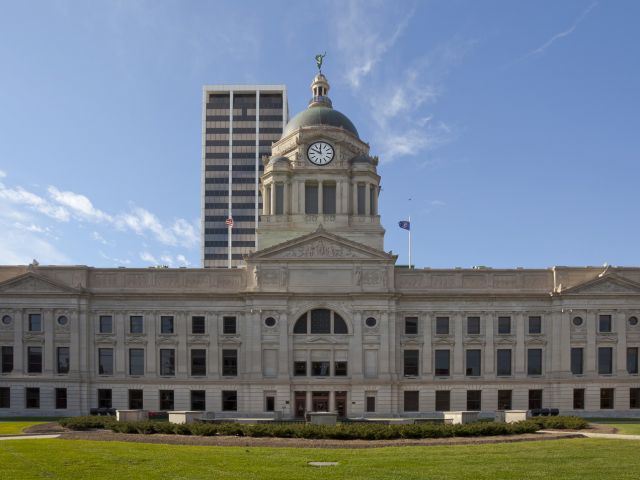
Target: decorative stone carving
(319,248)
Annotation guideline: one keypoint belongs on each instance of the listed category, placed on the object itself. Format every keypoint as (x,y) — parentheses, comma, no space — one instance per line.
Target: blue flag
(404,224)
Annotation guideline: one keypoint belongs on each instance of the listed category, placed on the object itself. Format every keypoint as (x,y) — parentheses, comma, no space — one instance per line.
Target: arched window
(320,320)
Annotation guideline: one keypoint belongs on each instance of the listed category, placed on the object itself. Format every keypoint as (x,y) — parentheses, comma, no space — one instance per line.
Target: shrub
(89,422)
(561,423)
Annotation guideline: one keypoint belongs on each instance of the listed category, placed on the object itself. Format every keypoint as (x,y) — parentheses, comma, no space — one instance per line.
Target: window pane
(32,398)
(198,400)
(230,363)
(104,398)
(63,360)
(35,322)
(578,398)
(605,323)
(535,324)
(135,400)
(5,397)
(229,400)
(473,326)
(310,198)
(504,399)
(339,325)
(340,369)
(198,362)
(473,363)
(166,324)
(320,321)
(197,325)
(300,369)
(605,360)
(34,360)
(105,361)
(634,398)
(411,362)
(576,361)
(606,398)
(7,359)
(320,369)
(328,199)
(504,325)
(535,399)
(361,206)
(135,324)
(106,324)
(166,399)
(632,360)
(534,361)
(371,404)
(443,400)
(167,361)
(442,325)
(301,325)
(61,398)
(442,363)
(411,401)
(136,361)
(229,325)
(474,400)
(411,325)
(504,362)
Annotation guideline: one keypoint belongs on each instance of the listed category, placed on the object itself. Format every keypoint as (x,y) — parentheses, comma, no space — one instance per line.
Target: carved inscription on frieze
(319,249)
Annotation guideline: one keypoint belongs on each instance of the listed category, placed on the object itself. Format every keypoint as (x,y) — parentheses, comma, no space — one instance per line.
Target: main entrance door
(320,401)
(300,404)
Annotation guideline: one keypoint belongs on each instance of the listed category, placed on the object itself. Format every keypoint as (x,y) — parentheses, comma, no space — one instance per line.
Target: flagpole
(409,241)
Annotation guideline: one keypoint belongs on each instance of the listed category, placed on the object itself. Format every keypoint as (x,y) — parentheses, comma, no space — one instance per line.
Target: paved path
(27,437)
(616,436)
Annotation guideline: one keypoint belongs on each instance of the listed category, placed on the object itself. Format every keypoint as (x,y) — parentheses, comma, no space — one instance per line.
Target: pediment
(30,283)
(320,245)
(606,284)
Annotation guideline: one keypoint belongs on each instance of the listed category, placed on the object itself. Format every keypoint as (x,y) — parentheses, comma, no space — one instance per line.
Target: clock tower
(320,174)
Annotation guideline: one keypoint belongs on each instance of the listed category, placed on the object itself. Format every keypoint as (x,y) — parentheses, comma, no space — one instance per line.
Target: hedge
(345,431)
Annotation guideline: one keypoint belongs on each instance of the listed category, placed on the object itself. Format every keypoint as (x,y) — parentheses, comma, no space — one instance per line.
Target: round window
(6,320)
(633,321)
(577,321)
(370,322)
(269,321)
(62,320)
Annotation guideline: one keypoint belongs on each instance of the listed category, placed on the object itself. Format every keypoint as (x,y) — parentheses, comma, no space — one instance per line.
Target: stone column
(519,353)
(367,199)
(320,197)
(354,196)
(286,187)
(456,323)
(591,354)
(355,362)
(214,352)
(554,325)
(18,347)
(121,350)
(266,200)
(619,326)
(48,351)
(427,349)
(565,342)
(489,351)
(183,356)
(273,198)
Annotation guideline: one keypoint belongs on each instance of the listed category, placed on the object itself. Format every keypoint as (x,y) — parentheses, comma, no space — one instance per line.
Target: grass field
(566,459)
(15,426)
(626,426)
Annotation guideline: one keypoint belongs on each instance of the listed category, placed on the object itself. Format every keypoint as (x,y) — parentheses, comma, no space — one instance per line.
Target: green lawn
(566,459)
(15,427)
(626,426)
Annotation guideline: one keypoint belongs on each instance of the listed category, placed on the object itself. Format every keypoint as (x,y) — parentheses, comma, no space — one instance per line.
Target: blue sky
(508,130)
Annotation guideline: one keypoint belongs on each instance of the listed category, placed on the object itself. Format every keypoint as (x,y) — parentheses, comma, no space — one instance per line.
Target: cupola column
(367,200)
(320,197)
(273,198)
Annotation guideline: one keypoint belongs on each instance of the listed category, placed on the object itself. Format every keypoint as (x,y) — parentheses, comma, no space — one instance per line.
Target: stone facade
(319,318)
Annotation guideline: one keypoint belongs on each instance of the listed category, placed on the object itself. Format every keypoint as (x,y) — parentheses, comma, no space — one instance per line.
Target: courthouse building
(319,317)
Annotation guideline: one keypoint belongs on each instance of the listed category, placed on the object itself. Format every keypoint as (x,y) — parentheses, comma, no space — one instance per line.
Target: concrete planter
(461,417)
(323,418)
(511,416)
(184,416)
(131,415)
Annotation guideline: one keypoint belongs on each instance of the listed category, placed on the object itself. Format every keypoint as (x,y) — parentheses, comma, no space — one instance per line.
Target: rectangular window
(534,361)
(535,399)
(632,360)
(504,399)
(311,198)
(105,324)
(166,399)
(474,400)
(35,323)
(229,325)
(443,400)
(474,365)
(320,369)
(32,397)
(504,325)
(577,361)
(634,398)
(104,398)
(229,401)
(229,363)
(269,403)
(136,400)
(411,363)
(411,325)
(605,360)
(361,193)
(136,361)
(606,398)
(198,400)
(7,359)
(320,321)
(442,363)
(300,369)
(198,362)
(279,199)
(61,398)
(473,325)
(167,361)
(197,325)
(5,397)
(370,406)
(62,354)
(535,325)
(166,324)
(105,361)
(34,360)
(136,324)
(604,323)
(442,325)
(504,362)
(340,369)
(411,401)
(328,199)
(578,398)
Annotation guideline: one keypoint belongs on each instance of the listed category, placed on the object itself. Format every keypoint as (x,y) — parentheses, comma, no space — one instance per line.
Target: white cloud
(3,174)
(182,260)
(565,33)
(115,261)
(99,238)
(425,136)
(21,247)
(142,221)
(79,204)
(147,257)
(20,196)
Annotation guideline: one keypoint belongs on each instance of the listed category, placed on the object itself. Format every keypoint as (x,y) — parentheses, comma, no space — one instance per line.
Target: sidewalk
(616,436)
(26,437)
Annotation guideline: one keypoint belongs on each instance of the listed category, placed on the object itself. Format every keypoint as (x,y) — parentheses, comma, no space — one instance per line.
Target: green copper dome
(320,116)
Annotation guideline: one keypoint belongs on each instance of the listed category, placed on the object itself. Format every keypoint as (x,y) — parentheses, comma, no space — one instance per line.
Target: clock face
(320,153)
